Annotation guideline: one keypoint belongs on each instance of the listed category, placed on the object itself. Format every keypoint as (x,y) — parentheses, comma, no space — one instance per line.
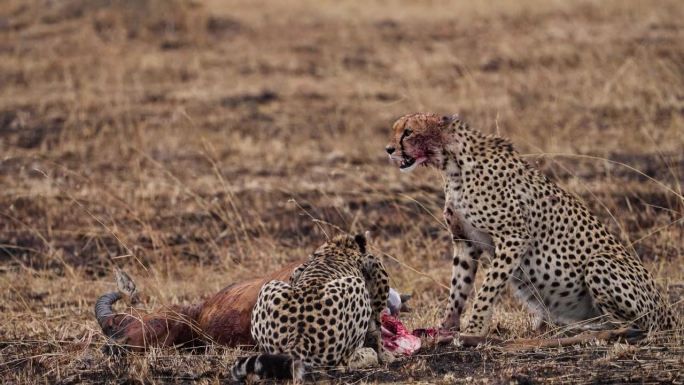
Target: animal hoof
(451,323)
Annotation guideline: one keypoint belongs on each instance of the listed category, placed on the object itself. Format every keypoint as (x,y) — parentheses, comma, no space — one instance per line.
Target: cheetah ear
(448,119)
(361,241)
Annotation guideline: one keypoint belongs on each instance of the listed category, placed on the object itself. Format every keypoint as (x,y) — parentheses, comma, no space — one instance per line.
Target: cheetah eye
(408,132)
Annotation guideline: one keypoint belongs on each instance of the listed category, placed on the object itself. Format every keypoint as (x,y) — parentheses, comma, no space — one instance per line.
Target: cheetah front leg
(508,254)
(465,261)
(377,284)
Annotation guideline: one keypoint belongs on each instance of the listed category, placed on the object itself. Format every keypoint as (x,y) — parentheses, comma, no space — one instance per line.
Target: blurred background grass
(194,143)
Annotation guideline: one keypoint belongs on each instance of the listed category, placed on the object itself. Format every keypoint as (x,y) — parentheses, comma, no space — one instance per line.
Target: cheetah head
(357,244)
(418,139)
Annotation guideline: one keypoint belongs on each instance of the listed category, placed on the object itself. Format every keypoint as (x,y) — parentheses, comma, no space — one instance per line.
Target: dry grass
(196,143)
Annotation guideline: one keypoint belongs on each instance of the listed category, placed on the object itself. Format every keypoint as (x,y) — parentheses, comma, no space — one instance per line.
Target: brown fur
(223,318)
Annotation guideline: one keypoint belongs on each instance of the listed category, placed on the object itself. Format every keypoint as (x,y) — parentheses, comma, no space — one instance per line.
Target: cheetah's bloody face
(417,139)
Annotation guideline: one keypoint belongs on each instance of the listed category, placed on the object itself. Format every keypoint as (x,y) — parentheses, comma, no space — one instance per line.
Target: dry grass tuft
(194,143)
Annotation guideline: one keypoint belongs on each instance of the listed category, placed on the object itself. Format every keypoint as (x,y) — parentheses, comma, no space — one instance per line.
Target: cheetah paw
(385,357)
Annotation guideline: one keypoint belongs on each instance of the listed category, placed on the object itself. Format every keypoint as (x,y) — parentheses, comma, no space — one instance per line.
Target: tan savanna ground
(195,143)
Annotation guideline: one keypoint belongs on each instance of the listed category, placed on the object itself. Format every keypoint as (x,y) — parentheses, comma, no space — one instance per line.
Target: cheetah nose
(390,150)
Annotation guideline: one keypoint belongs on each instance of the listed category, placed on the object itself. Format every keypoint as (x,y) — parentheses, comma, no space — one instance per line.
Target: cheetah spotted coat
(323,316)
(544,242)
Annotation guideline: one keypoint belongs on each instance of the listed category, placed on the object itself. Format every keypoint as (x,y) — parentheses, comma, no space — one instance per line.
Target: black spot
(361,241)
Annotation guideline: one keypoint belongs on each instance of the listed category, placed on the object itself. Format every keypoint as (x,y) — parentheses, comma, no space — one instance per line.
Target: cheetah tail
(271,366)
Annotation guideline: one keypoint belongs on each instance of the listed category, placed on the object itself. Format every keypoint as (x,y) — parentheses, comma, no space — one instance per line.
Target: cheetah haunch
(560,259)
(322,317)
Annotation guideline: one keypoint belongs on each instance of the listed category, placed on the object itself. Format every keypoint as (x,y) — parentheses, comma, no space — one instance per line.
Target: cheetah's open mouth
(408,163)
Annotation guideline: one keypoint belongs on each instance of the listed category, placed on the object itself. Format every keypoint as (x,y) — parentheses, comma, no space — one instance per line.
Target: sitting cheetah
(556,254)
(322,317)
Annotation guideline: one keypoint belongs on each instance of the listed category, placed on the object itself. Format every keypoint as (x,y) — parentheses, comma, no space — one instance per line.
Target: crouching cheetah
(545,242)
(323,316)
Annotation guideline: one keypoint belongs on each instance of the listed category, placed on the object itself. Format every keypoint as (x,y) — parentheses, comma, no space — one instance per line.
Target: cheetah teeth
(408,164)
